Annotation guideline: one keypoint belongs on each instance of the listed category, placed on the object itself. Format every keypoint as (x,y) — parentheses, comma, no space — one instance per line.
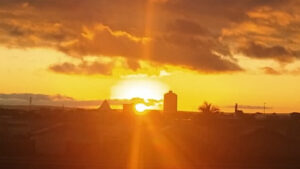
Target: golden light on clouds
(204,50)
(139,88)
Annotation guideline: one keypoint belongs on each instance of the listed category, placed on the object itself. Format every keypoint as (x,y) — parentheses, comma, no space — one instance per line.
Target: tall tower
(170,102)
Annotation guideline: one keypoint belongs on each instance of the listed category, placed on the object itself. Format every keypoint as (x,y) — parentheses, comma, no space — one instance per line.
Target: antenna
(30,101)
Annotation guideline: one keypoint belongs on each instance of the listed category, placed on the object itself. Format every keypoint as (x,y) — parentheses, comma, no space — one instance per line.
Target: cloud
(219,13)
(267,32)
(277,53)
(270,71)
(101,40)
(133,64)
(273,16)
(202,35)
(173,49)
(186,26)
(60,100)
(102,28)
(85,68)
(41,97)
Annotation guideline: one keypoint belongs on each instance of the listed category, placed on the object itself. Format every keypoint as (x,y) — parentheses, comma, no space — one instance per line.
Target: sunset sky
(85,51)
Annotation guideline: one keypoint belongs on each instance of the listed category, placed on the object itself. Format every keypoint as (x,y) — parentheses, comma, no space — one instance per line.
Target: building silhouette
(170,102)
(105,107)
(128,108)
(237,111)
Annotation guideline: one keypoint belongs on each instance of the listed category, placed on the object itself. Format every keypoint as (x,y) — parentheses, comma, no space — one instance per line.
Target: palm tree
(208,108)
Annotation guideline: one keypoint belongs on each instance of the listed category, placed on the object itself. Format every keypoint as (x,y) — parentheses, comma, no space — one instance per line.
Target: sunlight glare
(140,108)
(145,89)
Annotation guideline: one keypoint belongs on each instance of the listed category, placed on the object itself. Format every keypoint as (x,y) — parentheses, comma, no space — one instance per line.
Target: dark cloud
(85,68)
(133,64)
(218,14)
(201,35)
(113,29)
(185,26)
(202,60)
(101,40)
(260,51)
(268,32)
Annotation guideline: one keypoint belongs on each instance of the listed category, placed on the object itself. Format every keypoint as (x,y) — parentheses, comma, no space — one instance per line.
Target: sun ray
(135,159)
(148,27)
(169,155)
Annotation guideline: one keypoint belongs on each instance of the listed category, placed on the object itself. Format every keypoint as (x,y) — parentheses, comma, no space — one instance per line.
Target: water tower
(170,102)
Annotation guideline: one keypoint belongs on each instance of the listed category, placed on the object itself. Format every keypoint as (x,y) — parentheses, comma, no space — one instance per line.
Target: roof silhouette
(105,106)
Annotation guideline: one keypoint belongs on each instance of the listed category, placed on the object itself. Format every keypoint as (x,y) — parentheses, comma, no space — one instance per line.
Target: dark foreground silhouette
(88,139)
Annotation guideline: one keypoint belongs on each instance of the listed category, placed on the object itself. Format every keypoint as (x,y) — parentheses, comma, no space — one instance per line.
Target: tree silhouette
(208,108)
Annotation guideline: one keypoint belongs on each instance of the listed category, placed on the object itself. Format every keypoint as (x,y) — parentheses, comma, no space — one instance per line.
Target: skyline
(224,53)
(140,104)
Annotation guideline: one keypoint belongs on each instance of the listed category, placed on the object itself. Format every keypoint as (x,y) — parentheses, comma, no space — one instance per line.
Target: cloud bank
(202,35)
(60,100)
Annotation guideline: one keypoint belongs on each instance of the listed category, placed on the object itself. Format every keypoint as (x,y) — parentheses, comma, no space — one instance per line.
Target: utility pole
(30,103)
(264,108)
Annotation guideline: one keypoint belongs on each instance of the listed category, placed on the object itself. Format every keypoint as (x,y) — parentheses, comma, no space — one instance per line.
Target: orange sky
(239,51)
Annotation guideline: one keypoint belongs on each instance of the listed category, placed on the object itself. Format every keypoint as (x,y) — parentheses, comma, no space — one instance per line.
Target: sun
(145,89)
(140,109)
